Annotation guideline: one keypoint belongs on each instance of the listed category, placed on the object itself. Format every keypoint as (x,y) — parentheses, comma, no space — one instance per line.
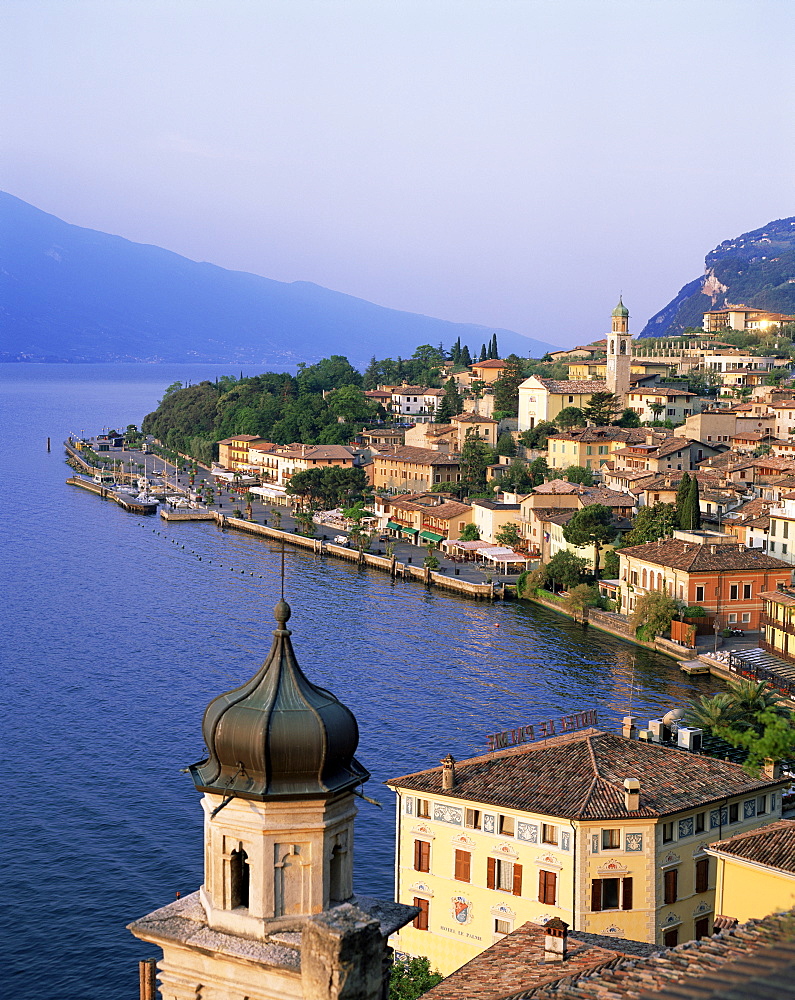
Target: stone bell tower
(619,353)
(279,781)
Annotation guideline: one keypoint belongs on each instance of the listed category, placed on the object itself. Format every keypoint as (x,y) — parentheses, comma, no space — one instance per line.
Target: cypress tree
(691,510)
(483,352)
(466,357)
(681,496)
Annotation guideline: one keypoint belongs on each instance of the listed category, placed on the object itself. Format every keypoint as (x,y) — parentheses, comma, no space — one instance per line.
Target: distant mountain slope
(72,294)
(755,269)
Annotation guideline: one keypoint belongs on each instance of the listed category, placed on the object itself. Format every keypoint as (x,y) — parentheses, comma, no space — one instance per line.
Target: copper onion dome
(278,736)
(620,309)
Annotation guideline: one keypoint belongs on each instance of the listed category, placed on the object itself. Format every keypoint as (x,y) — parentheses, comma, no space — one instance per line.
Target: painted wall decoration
(489,821)
(447,814)
(633,842)
(686,827)
(528,832)
(462,909)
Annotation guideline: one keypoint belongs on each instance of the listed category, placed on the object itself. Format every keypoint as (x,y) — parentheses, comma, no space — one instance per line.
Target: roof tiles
(528,778)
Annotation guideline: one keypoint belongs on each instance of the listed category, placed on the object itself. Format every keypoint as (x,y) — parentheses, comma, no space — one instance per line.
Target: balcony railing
(788,627)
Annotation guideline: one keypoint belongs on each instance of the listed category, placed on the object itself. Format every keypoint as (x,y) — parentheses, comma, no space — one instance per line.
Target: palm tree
(751,697)
(712,713)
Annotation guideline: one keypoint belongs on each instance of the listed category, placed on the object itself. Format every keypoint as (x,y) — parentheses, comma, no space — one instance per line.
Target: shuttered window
(463,861)
(421,920)
(547,885)
(671,878)
(611,894)
(422,856)
(504,875)
(702,875)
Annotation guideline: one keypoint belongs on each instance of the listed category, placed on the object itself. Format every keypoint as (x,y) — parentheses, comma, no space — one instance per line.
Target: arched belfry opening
(239,879)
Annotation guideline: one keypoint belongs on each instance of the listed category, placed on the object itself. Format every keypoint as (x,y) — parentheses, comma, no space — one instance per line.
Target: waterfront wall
(606,622)
(386,564)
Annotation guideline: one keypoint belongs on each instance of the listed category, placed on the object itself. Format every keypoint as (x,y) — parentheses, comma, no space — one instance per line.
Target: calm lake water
(119,632)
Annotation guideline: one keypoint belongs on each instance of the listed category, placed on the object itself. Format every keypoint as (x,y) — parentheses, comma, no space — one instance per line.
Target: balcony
(788,627)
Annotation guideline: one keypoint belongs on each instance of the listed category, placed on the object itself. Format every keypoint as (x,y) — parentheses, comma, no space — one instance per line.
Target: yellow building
(589,447)
(756,871)
(406,469)
(542,399)
(605,832)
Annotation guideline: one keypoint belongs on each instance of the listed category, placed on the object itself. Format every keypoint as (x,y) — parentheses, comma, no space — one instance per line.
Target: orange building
(707,568)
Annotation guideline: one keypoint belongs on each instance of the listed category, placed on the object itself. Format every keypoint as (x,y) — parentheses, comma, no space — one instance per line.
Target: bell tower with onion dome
(278,802)
(619,353)
(276,915)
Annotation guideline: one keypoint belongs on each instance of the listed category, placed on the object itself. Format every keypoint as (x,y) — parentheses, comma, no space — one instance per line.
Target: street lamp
(716,629)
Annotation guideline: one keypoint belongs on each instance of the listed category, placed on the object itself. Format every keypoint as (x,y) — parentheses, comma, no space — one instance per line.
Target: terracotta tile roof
(654,390)
(574,385)
(586,434)
(440,510)
(673,444)
(695,558)
(419,456)
(755,961)
(528,778)
(474,418)
(772,845)
(780,597)
(490,363)
(754,508)
(516,963)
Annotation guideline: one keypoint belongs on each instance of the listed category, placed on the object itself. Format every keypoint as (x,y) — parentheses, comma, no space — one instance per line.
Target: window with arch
(239,879)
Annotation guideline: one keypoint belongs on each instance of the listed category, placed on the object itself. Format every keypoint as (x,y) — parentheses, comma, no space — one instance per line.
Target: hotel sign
(527,734)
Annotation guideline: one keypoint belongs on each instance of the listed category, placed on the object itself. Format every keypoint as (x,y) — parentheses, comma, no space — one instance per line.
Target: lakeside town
(621,497)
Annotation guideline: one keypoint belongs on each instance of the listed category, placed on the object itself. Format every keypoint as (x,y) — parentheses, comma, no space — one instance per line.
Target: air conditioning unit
(645,735)
(659,731)
(690,739)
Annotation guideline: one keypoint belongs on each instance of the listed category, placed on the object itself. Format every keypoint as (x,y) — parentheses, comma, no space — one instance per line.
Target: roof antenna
(282,568)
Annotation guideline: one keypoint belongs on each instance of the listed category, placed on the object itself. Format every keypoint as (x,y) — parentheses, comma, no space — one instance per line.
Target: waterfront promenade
(278,523)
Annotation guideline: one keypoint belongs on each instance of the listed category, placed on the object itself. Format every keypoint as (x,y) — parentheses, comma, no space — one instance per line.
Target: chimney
(448,773)
(629,730)
(772,768)
(556,940)
(631,794)
(713,549)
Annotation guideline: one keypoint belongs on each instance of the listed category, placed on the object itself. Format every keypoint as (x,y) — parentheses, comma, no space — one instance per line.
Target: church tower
(278,788)
(619,353)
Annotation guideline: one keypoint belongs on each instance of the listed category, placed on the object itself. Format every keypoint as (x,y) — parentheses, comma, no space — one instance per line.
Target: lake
(121,629)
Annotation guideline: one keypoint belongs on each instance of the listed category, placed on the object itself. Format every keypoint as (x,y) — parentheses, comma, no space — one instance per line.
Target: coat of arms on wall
(462,909)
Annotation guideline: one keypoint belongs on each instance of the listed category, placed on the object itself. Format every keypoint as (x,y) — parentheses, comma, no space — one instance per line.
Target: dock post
(147,985)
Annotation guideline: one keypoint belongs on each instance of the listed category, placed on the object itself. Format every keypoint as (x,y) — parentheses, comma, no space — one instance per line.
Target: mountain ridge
(68,293)
(736,272)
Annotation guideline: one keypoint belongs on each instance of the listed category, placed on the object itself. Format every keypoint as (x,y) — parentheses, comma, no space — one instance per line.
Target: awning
(393,526)
(431,536)
(408,531)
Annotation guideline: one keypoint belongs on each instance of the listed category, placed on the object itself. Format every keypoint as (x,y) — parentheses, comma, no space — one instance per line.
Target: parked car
(340,539)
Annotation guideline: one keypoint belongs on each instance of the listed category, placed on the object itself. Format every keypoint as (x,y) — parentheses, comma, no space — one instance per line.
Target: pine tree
(370,379)
(451,403)
(681,495)
(691,509)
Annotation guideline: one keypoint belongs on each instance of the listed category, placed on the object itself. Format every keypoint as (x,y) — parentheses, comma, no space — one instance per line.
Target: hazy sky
(515,164)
